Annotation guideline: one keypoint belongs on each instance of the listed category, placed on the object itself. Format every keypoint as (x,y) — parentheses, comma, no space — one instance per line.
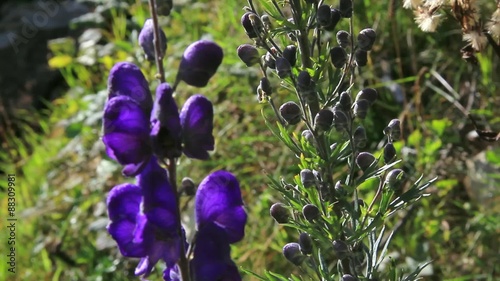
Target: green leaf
(60,61)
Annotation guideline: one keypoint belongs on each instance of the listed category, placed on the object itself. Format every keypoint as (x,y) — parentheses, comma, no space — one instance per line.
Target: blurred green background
(53,88)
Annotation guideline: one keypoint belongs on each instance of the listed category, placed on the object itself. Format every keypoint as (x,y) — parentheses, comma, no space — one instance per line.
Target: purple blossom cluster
(142,135)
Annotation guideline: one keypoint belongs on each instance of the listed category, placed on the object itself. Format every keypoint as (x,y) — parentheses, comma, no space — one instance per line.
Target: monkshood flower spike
(132,133)
(199,63)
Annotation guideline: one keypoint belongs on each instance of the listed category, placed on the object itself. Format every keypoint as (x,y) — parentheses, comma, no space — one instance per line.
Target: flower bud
(251,23)
(368,94)
(339,189)
(324,15)
(146,40)
(340,248)
(310,212)
(289,53)
(393,130)
(323,120)
(270,61)
(200,62)
(364,160)
(308,135)
(305,243)
(345,8)
(395,179)
(366,38)
(279,212)
(361,57)
(339,119)
(343,38)
(338,56)
(359,137)
(248,54)
(188,186)
(306,86)
(361,108)
(163,7)
(348,277)
(389,153)
(345,101)
(307,178)
(290,112)
(265,86)
(283,68)
(266,20)
(292,253)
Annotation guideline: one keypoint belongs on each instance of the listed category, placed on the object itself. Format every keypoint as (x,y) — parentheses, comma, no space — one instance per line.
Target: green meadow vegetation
(63,174)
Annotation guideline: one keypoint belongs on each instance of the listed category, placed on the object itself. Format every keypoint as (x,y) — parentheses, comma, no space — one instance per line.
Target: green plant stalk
(172,164)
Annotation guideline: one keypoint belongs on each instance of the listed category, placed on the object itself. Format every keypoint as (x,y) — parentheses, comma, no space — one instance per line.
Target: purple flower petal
(126,134)
(166,131)
(159,204)
(171,273)
(197,124)
(212,260)
(123,206)
(146,37)
(200,62)
(126,79)
(218,200)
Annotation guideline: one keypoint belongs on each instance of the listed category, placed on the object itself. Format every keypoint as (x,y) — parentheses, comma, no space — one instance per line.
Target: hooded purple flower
(221,220)
(146,40)
(132,134)
(199,63)
(196,118)
(150,232)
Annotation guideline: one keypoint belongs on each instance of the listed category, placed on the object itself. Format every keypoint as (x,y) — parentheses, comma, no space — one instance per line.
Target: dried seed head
(248,54)
(364,160)
(343,38)
(389,153)
(361,108)
(290,112)
(340,248)
(393,130)
(395,179)
(188,186)
(368,94)
(359,137)
(280,213)
(361,57)
(292,253)
(366,38)
(338,56)
(305,243)
(310,212)
(345,101)
(323,120)
(289,53)
(345,8)
(283,68)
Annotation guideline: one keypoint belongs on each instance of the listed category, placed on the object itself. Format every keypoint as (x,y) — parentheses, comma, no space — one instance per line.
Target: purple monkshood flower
(132,133)
(199,63)
(144,225)
(146,40)
(221,219)
(144,219)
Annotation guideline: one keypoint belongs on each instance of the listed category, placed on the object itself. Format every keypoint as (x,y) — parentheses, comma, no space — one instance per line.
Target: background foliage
(64,174)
